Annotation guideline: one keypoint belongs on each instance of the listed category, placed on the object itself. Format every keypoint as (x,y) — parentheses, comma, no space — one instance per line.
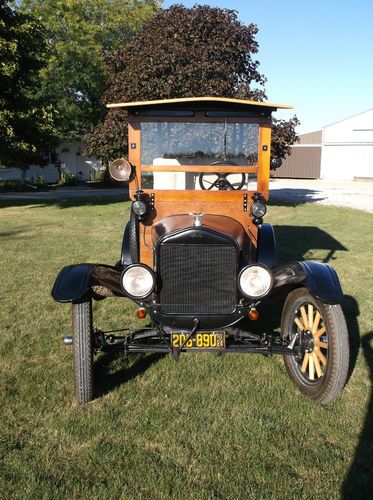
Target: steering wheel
(221,182)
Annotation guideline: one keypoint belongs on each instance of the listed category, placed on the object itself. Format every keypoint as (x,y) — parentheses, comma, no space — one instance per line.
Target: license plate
(201,340)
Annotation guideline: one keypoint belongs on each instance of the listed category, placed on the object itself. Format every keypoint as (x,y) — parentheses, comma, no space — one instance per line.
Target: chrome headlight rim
(139,208)
(263,266)
(148,293)
(258,205)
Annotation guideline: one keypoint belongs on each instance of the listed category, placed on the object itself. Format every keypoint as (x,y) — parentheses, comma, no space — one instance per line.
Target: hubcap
(313,357)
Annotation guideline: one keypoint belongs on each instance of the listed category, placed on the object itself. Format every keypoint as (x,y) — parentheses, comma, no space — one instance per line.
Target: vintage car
(197,258)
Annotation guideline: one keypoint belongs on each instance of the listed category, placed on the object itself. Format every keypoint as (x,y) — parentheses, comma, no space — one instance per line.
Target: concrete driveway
(353,194)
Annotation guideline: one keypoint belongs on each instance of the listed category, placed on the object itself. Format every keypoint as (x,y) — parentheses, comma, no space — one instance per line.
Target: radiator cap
(197,219)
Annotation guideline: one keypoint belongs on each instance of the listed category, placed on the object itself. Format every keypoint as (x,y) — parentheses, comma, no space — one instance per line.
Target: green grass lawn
(209,426)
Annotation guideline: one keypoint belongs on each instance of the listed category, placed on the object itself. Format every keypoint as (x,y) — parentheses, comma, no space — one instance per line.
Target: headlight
(139,207)
(276,163)
(138,281)
(258,209)
(255,281)
(120,169)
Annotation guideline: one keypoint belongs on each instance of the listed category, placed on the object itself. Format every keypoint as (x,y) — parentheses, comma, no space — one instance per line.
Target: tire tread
(83,350)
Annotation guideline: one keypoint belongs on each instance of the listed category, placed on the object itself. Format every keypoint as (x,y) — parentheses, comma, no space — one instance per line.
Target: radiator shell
(197,273)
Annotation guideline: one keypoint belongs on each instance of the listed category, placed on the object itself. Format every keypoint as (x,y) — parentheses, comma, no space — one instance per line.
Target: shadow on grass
(300,243)
(359,480)
(293,196)
(106,379)
(66,202)
(279,197)
(6,234)
(351,312)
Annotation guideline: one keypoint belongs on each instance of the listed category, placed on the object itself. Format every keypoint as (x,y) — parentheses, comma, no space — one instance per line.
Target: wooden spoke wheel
(319,366)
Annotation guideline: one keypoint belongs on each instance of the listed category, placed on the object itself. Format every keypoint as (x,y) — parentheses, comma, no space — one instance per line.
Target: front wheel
(320,366)
(82,330)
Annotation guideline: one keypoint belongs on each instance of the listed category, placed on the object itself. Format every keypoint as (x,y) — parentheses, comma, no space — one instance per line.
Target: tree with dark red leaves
(183,52)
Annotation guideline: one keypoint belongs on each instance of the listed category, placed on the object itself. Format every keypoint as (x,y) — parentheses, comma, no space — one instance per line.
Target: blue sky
(316,55)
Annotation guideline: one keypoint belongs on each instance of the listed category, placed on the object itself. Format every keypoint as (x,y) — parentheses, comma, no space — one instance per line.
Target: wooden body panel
(264,159)
(167,208)
(199,168)
(172,202)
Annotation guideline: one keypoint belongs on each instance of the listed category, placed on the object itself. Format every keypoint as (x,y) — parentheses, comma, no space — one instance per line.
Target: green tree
(81,33)
(26,125)
(182,52)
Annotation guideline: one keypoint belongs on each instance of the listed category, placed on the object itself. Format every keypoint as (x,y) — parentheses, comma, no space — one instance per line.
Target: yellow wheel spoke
(305,362)
(320,332)
(311,368)
(310,316)
(321,357)
(317,364)
(316,322)
(299,324)
(304,316)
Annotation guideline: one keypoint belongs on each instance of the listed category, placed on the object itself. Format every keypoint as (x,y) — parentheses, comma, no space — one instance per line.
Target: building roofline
(348,118)
(310,131)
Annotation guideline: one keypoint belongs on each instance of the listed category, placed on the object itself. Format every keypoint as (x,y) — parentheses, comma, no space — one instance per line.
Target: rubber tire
(134,238)
(82,329)
(329,386)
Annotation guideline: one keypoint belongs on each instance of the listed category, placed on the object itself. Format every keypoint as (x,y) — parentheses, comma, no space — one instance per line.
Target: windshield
(199,143)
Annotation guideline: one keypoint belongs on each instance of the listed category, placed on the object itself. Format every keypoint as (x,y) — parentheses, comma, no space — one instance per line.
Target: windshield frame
(261,168)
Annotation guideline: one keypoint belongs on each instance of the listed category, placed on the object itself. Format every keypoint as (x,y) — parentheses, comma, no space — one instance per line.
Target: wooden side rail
(200,168)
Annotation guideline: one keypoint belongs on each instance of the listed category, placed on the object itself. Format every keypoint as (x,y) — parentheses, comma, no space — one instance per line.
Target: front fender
(266,245)
(74,282)
(319,278)
(322,281)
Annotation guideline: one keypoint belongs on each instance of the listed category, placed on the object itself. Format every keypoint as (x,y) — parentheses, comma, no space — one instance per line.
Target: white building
(70,155)
(347,148)
(341,150)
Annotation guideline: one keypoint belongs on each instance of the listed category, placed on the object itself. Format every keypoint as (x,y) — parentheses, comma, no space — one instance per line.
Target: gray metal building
(305,159)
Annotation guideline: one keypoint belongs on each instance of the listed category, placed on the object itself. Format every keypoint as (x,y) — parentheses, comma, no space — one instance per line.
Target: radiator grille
(197,278)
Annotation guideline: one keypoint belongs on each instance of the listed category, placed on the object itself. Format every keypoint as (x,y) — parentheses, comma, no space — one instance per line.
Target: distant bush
(39,181)
(68,179)
(99,176)
(13,185)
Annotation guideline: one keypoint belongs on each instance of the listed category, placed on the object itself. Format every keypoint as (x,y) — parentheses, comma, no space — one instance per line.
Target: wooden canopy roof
(199,102)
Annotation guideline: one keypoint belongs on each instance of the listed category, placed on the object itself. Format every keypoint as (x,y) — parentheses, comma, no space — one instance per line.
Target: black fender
(266,245)
(130,242)
(125,258)
(72,283)
(76,281)
(319,278)
(322,281)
